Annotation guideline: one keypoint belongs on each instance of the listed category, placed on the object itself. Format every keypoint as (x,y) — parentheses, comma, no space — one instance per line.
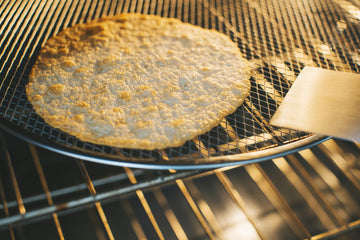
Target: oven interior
(48,190)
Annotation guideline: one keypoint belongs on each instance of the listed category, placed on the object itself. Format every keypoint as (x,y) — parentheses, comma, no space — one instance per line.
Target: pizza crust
(137,81)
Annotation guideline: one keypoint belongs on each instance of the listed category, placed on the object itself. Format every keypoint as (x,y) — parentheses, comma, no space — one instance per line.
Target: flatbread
(137,81)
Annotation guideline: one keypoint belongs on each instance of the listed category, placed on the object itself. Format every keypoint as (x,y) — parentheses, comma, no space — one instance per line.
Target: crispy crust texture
(137,81)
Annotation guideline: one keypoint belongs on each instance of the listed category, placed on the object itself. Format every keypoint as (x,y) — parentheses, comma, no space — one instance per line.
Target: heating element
(313,194)
(279,36)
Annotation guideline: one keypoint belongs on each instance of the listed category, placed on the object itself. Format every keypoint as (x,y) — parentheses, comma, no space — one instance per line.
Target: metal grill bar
(6,45)
(294,160)
(332,181)
(134,221)
(44,184)
(300,186)
(340,162)
(337,231)
(238,200)
(170,215)
(14,181)
(6,210)
(27,46)
(32,22)
(92,191)
(61,17)
(144,203)
(199,207)
(195,208)
(7,10)
(269,189)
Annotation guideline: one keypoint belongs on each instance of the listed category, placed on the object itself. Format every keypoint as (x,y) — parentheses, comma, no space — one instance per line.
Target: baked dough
(137,81)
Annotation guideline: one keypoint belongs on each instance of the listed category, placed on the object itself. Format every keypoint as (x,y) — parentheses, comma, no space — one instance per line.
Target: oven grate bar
(236,197)
(331,180)
(45,187)
(134,221)
(169,214)
(6,210)
(144,203)
(195,208)
(293,160)
(269,189)
(92,191)
(13,178)
(338,231)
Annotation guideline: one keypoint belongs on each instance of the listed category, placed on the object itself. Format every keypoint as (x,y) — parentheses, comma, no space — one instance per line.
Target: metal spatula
(322,101)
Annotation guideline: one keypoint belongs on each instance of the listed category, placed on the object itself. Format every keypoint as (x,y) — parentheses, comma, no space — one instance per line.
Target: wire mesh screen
(279,36)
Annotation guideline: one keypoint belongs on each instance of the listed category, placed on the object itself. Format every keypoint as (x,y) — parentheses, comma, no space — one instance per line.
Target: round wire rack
(279,37)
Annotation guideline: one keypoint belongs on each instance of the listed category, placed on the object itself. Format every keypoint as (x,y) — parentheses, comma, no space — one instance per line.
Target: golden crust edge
(140,144)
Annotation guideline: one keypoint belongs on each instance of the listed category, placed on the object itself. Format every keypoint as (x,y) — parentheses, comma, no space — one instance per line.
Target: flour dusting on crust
(137,81)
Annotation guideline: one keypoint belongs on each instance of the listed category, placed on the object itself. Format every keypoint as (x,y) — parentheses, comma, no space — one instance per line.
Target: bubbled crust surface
(137,81)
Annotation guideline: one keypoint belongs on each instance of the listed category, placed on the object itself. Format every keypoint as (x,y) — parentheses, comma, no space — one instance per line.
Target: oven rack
(312,194)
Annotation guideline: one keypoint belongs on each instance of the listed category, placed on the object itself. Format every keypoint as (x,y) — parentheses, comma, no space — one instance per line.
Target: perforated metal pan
(279,36)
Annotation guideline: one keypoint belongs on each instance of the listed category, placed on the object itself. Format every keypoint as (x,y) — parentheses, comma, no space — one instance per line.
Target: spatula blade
(322,101)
